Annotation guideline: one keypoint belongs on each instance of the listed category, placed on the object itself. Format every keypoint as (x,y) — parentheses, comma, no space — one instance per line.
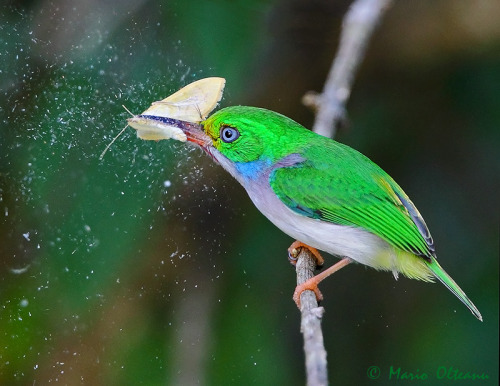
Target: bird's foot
(294,250)
(312,283)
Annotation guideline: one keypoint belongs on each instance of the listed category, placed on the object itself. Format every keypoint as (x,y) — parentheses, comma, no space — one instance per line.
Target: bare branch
(358,26)
(310,326)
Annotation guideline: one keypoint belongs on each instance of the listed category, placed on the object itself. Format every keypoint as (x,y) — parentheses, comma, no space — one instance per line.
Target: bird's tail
(444,278)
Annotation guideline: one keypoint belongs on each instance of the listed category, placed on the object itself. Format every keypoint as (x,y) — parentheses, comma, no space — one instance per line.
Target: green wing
(338,184)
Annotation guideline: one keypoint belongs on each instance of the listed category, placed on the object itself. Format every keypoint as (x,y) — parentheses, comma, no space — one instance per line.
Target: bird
(322,193)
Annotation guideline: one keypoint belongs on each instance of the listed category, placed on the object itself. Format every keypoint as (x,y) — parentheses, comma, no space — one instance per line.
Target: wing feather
(340,185)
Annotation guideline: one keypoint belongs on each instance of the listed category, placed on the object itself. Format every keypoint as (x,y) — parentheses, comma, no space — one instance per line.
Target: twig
(358,25)
(310,326)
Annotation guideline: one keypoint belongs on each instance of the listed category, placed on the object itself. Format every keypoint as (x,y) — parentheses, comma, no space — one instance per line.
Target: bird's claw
(308,285)
(293,253)
(294,250)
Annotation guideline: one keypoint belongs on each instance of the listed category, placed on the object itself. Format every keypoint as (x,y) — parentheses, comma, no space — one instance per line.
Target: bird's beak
(194,133)
(151,127)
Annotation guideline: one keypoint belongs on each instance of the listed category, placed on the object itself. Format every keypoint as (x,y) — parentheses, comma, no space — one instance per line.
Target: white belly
(342,241)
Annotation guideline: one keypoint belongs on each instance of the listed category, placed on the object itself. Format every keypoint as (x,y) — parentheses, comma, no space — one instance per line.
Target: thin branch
(310,326)
(358,25)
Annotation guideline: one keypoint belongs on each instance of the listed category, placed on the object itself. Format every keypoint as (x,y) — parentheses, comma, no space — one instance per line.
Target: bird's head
(242,134)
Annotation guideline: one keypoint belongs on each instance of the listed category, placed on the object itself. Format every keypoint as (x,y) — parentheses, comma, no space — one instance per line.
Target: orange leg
(312,283)
(294,250)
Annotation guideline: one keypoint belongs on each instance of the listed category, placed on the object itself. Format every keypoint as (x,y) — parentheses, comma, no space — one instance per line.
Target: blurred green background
(152,266)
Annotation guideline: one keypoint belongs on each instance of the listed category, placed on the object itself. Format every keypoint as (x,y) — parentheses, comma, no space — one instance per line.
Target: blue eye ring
(229,134)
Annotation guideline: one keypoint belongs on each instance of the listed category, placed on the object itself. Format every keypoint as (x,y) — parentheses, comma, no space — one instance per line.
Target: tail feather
(444,278)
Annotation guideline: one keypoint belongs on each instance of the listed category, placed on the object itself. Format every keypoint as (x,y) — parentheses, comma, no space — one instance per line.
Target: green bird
(322,193)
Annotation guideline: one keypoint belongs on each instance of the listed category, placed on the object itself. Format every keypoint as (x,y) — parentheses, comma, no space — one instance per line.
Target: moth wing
(191,103)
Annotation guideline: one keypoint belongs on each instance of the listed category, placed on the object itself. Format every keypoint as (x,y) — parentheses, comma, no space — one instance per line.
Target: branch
(358,25)
(310,325)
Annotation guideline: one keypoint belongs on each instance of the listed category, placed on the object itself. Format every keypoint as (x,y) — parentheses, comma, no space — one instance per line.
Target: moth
(191,103)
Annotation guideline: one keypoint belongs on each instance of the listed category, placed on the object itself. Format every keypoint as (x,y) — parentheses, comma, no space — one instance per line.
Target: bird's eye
(229,134)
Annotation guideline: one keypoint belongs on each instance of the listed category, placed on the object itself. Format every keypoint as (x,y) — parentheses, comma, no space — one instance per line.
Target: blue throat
(255,169)
(252,170)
